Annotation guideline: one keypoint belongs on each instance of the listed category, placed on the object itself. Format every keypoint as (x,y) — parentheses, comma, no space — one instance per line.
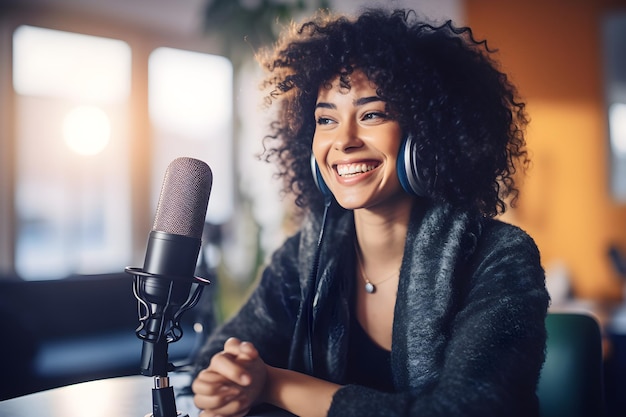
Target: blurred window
(72,190)
(614,37)
(73,147)
(190,104)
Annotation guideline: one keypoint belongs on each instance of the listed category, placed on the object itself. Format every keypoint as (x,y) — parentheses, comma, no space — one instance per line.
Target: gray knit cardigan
(468,331)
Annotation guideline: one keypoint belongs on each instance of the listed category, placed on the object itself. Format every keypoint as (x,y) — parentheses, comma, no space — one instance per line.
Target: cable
(313,283)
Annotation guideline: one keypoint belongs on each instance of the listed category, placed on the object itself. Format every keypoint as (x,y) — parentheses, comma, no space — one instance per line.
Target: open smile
(350,170)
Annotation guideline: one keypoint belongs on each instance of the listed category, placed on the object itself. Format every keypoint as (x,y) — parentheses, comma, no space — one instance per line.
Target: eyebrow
(359,102)
(365,100)
(324,105)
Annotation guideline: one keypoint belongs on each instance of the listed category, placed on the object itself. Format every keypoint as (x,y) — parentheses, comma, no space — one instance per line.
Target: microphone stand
(155,363)
(163,328)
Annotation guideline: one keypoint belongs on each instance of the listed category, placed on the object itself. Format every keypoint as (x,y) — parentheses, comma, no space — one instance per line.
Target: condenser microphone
(164,287)
(175,240)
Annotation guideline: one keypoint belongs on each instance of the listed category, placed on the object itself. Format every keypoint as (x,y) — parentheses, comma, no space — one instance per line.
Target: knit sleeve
(491,361)
(267,317)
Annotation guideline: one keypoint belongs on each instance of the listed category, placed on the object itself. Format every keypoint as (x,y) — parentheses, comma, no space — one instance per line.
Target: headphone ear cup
(317,177)
(408,174)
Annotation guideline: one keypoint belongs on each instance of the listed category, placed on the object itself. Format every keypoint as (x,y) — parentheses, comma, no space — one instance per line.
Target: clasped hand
(233,382)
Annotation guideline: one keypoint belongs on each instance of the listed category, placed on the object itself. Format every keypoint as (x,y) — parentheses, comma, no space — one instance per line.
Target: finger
(208,380)
(247,351)
(217,400)
(227,366)
(210,383)
(211,413)
(209,376)
(241,350)
(232,345)
(235,407)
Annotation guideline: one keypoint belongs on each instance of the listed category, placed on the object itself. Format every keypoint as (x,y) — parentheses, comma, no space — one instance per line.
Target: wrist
(298,393)
(267,394)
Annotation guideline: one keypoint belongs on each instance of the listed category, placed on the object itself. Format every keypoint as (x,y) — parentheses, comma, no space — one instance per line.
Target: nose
(347,137)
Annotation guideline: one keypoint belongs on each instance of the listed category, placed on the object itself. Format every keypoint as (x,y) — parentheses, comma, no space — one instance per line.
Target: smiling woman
(400,295)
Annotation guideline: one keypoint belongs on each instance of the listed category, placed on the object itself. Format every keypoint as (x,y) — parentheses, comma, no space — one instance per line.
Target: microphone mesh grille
(184,198)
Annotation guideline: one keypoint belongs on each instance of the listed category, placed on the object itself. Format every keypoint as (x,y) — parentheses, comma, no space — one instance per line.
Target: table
(129,396)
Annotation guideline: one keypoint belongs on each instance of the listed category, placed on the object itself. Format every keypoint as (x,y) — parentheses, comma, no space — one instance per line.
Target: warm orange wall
(553,51)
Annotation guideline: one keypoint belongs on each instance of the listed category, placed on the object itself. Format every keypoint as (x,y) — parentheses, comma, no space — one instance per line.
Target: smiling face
(356,144)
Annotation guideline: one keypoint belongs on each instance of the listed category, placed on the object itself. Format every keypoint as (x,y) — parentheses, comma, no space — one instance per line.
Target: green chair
(571,381)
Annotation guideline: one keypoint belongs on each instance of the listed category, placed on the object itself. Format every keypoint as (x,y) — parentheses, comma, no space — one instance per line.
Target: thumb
(247,351)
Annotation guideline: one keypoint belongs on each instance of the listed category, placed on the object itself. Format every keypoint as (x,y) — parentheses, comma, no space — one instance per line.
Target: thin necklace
(370,287)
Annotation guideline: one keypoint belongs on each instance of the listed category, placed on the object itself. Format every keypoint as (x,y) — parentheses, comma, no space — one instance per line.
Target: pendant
(370,288)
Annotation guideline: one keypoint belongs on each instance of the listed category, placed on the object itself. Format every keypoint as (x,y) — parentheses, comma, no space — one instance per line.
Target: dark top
(368,364)
(468,333)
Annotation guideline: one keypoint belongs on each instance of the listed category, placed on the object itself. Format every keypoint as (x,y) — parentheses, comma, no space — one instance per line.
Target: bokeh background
(97,97)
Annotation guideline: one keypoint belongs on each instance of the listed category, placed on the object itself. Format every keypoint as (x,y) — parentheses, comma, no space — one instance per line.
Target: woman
(401,295)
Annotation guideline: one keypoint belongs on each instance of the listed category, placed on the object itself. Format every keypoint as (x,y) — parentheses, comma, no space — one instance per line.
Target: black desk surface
(129,396)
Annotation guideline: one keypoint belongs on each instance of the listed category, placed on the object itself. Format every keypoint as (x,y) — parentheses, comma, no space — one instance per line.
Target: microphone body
(170,262)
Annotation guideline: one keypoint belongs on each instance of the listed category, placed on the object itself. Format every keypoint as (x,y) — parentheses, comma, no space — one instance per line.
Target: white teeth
(351,169)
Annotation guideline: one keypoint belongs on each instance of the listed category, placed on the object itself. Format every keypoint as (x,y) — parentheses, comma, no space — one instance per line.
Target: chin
(375,201)
(355,201)
(350,203)
(349,206)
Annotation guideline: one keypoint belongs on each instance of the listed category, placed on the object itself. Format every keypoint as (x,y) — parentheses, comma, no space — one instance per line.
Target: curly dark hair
(439,83)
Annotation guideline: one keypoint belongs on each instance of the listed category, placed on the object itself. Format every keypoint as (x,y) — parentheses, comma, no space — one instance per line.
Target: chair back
(571,383)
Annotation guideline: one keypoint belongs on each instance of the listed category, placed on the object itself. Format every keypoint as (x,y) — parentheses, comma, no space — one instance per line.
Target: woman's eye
(324,121)
(374,116)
